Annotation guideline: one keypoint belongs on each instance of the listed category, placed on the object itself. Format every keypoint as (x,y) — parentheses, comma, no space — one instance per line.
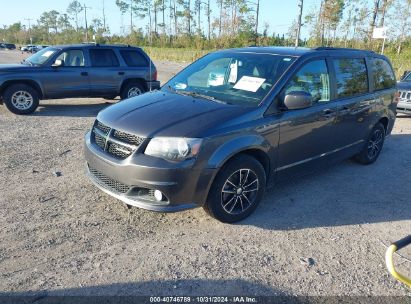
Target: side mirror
(57,63)
(298,100)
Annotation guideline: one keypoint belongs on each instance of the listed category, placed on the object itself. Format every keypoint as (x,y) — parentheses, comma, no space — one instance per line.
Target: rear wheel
(373,147)
(237,190)
(21,99)
(131,90)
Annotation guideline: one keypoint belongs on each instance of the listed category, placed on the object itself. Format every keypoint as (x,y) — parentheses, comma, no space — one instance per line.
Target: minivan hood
(161,113)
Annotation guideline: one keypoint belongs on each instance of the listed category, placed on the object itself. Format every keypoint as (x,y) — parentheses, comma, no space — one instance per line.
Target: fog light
(158,195)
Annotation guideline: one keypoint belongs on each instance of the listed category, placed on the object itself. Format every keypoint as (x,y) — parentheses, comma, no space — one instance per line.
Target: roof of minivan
(300,51)
(87,45)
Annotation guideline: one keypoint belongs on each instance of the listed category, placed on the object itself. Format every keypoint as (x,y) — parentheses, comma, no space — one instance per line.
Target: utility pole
(85,18)
(256,21)
(131,16)
(29,20)
(104,17)
(297,38)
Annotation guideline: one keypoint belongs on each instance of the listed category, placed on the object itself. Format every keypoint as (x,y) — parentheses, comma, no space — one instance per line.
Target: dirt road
(64,236)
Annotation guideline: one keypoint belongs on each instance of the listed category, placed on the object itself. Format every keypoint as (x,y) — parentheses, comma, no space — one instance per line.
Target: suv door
(105,75)
(355,101)
(308,134)
(70,79)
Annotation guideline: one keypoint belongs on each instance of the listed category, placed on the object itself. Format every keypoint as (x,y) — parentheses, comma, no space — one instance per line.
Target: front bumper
(404,107)
(183,185)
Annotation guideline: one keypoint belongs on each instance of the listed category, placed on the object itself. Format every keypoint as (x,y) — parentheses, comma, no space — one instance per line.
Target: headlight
(173,148)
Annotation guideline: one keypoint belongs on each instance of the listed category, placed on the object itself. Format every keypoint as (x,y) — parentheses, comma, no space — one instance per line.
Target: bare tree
(74,9)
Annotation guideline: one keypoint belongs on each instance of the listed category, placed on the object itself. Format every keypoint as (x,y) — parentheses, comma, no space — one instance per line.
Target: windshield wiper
(198,95)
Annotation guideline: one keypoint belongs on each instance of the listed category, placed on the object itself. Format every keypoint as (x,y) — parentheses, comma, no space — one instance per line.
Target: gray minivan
(231,123)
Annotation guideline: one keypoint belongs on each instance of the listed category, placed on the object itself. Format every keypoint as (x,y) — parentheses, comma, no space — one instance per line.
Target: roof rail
(329,48)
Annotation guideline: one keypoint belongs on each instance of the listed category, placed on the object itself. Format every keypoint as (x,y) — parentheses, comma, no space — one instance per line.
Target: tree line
(210,24)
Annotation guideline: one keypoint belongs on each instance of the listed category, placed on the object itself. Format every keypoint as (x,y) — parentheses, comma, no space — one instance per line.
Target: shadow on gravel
(71,110)
(344,194)
(130,292)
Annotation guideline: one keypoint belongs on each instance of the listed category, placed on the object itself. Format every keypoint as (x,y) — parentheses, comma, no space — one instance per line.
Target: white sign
(251,84)
(379,33)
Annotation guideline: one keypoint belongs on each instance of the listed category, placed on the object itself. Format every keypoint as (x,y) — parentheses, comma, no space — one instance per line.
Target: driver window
(72,58)
(312,78)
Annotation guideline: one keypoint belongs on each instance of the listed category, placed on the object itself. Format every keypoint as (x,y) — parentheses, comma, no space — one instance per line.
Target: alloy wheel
(134,91)
(22,100)
(375,144)
(240,191)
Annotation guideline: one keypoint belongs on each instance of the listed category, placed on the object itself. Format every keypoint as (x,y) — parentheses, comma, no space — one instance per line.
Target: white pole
(383,46)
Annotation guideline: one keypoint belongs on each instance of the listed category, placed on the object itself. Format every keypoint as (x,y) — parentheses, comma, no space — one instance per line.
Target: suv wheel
(373,147)
(21,99)
(237,190)
(131,90)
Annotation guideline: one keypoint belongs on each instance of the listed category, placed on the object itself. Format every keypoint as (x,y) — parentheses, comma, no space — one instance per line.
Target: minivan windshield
(240,78)
(41,56)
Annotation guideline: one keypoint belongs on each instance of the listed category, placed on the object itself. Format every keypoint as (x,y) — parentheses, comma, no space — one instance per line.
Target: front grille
(119,150)
(100,141)
(128,138)
(117,143)
(107,182)
(105,129)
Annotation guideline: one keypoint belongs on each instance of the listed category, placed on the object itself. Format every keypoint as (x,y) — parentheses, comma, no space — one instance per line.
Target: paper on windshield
(47,54)
(251,84)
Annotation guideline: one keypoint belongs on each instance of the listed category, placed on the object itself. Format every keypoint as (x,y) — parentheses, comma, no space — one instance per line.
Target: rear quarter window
(351,76)
(383,74)
(134,58)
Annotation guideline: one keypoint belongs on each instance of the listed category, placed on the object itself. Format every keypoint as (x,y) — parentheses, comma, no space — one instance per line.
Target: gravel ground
(62,235)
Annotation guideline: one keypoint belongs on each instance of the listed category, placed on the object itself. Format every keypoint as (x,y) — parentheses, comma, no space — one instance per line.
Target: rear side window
(351,76)
(103,58)
(134,58)
(383,75)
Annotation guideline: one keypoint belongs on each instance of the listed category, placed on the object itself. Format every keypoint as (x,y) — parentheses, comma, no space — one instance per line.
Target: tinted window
(351,75)
(313,78)
(134,58)
(383,75)
(103,58)
(72,58)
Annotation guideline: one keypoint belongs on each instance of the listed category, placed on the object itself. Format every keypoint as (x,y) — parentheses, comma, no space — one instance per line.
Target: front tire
(21,99)
(373,147)
(131,90)
(237,190)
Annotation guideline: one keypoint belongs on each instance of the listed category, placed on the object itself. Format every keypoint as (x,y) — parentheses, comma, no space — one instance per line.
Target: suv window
(383,75)
(72,58)
(134,58)
(103,58)
(351,75)
(312,78)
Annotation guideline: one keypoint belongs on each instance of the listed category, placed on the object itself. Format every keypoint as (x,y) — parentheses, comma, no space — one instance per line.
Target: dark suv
(232,122)
(82,70)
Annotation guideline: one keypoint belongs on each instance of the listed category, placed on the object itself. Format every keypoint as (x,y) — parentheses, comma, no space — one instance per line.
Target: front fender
(238,145)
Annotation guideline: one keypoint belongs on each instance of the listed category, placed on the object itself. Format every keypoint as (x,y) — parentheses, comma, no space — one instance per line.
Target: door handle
(84,74)
(121,73)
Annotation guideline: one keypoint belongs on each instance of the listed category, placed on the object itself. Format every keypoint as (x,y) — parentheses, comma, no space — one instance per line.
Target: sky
(279,14)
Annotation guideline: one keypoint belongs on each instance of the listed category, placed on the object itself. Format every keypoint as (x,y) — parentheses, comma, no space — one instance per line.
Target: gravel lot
(64,236)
